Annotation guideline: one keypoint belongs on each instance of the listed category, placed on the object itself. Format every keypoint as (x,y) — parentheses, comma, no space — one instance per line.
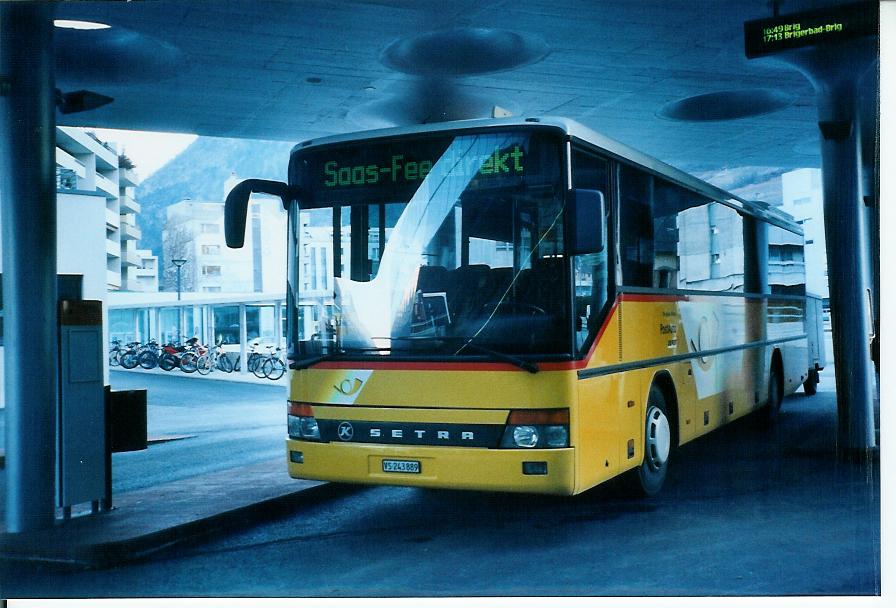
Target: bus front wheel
(647,479)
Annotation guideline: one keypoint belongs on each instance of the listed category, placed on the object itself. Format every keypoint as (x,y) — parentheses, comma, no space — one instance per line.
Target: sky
(148,151)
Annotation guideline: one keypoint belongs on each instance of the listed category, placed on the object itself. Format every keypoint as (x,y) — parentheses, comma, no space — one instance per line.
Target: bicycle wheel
(258,368)
(129,359)
(114,359)
(188,362)
(148,359)
(254,363)
(225,364)
(204,365)
(274,369)
(167,362)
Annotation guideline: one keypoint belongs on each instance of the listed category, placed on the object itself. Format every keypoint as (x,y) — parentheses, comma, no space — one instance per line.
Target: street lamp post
(178,264)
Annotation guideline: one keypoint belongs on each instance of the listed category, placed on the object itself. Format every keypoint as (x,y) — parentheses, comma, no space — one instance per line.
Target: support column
(278,324)
(835,72)
(244,352)
(28,191)
(848,265)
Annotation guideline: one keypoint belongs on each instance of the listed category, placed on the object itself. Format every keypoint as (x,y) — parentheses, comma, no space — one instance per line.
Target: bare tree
(177,243)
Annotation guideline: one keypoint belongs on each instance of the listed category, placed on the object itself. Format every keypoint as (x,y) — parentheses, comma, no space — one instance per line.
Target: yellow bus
(523,305)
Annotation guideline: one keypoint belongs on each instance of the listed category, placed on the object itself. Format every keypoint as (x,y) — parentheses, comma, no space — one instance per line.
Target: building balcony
(128,204)
(106,185)
(129,257)
(113,279)
(113,248)
(129,232)
(76,141)
(113,220)
(127,178)
(67,161)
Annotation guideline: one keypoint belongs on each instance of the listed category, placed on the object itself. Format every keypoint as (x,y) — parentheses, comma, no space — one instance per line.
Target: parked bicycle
(189,359)
(148,355)
(128,358)
(270,366)
(115,353)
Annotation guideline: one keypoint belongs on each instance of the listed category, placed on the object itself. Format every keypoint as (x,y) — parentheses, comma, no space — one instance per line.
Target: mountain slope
(199,173)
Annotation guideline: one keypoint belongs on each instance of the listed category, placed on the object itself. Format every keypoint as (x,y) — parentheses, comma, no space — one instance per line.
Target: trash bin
(127,420)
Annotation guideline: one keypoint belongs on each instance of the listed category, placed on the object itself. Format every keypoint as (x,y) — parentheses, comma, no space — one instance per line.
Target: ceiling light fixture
(69,24)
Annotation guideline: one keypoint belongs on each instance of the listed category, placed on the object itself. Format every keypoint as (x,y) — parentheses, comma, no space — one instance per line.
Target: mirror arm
(237,204)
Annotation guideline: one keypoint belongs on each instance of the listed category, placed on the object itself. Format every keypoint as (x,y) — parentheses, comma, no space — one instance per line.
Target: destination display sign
(393,170)
(401,168)
(810,29)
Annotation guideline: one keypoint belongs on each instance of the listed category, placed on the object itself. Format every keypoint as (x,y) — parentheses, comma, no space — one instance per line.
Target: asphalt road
(745,511)
(209,426)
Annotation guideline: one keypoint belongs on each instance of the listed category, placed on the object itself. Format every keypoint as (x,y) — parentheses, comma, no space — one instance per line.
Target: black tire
(274,369)
(204,365)
(810,386)
(189,362)
(167,362)
(148,359)
(647,479)
(114,360)
(258,367)
(254,363)
(225,364)
(129,359)
(775,395)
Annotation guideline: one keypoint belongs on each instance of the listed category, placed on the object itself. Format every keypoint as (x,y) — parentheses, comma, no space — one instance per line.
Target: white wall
(80,249)
(803,199)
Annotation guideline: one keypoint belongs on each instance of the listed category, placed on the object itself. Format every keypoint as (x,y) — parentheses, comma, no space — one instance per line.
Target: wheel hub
(659,438)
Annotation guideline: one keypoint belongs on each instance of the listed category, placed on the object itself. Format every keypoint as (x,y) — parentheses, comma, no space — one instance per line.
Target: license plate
(401,466)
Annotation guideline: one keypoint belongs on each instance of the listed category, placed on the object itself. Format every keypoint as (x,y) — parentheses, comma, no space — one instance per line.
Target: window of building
(211,271)
(210,228)
(212,288)
(211,249)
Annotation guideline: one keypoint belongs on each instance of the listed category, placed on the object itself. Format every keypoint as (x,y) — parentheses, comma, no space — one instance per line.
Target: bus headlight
(525,436)
(556,436)
(300,422)
(537,429)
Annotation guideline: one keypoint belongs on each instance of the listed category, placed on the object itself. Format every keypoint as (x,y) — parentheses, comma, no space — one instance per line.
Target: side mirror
(237,203)
(587,211)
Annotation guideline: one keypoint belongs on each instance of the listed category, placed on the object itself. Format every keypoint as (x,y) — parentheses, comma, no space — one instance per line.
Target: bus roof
(575,131)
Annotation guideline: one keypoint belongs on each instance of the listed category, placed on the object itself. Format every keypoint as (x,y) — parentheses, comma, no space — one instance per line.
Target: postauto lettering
(400,170)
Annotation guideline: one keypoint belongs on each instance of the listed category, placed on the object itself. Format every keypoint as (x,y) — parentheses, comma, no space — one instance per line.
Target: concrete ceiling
(294,70)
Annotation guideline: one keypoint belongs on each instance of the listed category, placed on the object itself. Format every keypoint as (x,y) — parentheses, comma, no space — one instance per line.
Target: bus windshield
(431,247)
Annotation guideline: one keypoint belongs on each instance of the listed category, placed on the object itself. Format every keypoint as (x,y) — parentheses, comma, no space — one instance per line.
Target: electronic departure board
(810,29)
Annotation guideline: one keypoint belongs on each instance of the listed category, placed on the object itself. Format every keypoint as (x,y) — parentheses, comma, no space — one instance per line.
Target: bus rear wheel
(647,479)
(775,395)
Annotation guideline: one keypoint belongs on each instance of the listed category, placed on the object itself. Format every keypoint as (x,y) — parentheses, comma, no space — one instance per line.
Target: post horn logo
(349,386)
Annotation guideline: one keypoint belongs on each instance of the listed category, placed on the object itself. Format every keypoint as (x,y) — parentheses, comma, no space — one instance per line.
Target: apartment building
(91,181)
(803,199)
(194,231)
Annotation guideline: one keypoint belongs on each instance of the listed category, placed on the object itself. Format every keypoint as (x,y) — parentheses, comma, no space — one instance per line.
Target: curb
(215,375)
(59,547)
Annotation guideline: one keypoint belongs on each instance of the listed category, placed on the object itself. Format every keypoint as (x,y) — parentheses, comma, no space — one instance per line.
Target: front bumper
(440,467)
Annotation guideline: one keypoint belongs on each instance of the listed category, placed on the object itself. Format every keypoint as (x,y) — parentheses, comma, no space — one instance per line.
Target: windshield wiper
(529,366)
(519,362)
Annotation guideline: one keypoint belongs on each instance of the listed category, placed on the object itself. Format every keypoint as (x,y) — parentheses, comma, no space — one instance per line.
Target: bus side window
(636,226)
